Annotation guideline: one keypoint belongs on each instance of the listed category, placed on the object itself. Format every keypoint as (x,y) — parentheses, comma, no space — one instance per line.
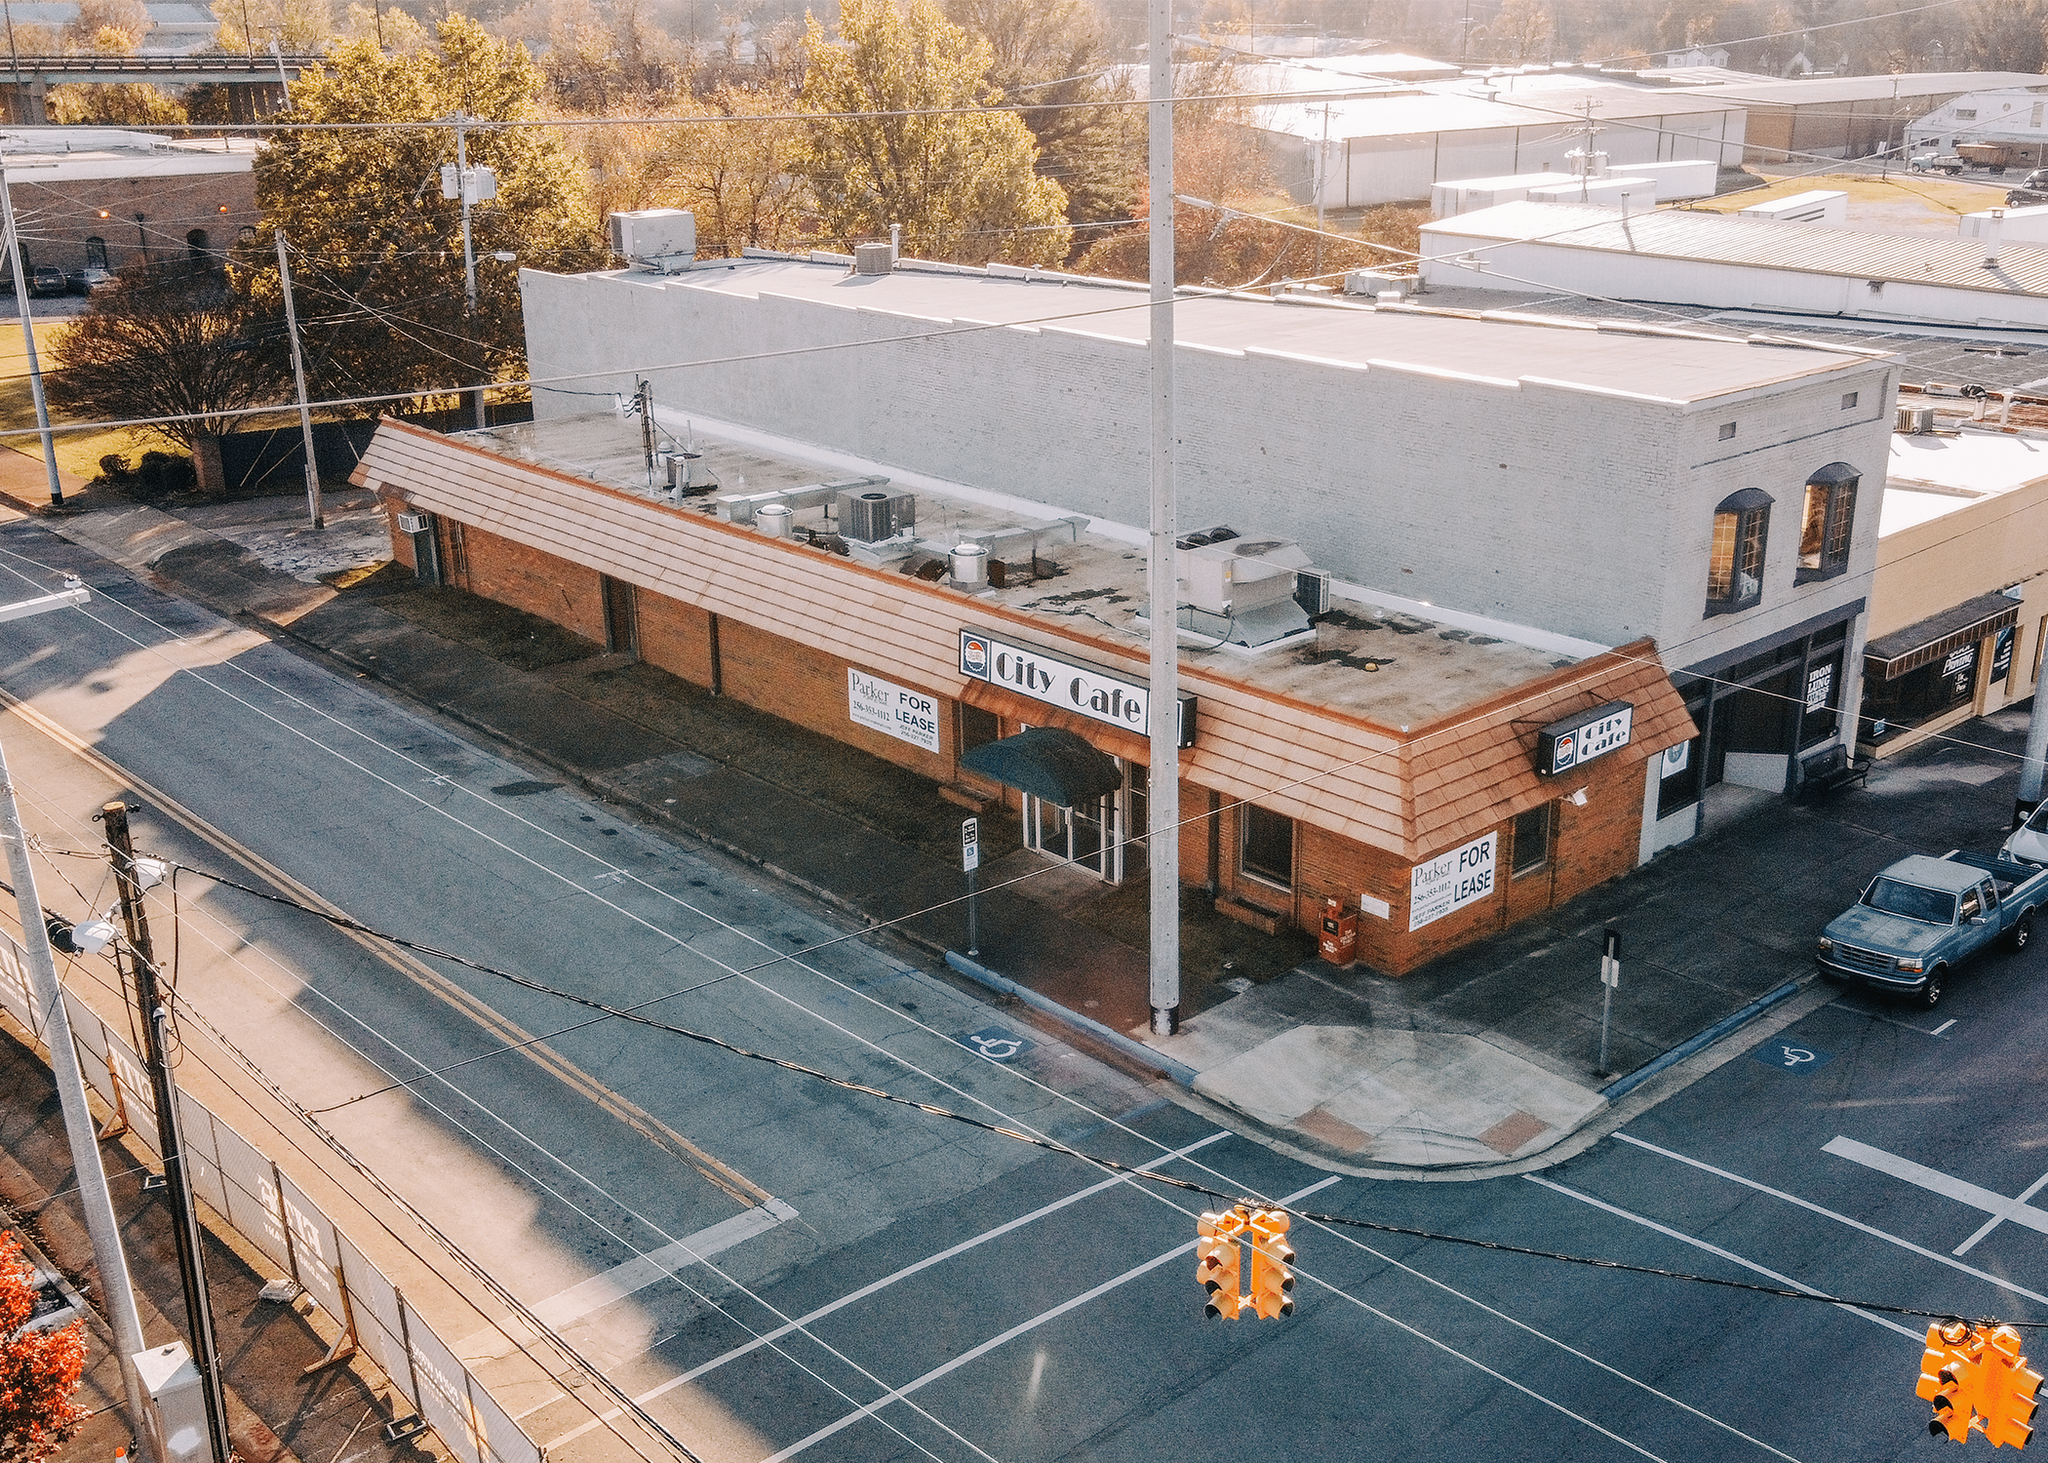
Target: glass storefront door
(1095,835)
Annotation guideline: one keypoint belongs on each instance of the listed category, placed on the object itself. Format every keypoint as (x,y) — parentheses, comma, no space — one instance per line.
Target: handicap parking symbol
(1790,1056)
(996,1044)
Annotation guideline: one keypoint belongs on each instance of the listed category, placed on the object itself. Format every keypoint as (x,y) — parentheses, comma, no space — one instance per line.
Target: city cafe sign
(1071,685)
(1577,740)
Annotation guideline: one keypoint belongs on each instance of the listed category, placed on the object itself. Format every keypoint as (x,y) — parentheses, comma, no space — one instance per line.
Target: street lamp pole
(291,325)
(28,336)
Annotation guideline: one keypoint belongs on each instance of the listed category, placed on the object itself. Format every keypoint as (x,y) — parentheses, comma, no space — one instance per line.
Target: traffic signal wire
(1050,1145)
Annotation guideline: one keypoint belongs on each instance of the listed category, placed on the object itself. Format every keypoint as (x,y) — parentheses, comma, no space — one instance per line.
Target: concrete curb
(1622,1086)
(1136,1051)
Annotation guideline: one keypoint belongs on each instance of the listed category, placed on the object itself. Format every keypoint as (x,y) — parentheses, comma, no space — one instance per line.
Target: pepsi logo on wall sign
(973,656)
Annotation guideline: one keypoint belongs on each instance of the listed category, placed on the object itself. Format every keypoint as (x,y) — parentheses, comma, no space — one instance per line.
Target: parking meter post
(1610,977)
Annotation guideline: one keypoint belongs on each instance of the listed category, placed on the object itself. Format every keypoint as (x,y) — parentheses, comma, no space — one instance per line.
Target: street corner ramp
(1406,1097)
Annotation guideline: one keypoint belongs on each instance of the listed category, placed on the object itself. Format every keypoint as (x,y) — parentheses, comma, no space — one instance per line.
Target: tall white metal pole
(28,337)
(291,325)
(116,1292)
(1162,800)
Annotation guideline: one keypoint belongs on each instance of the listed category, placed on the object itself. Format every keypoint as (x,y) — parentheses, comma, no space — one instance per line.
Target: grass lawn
(77,452)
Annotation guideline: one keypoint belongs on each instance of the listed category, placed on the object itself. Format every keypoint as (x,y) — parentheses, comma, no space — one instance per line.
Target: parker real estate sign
(1449,882)
(907,715)
(1072,685)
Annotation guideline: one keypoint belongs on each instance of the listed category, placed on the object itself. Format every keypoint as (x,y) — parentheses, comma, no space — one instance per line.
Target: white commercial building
(1603,484)
(1729,262)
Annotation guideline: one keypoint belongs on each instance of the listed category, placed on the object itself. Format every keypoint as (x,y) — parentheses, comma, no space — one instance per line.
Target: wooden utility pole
(177,1179)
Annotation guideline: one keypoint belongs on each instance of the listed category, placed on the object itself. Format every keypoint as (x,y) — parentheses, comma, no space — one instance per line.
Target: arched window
(95,252)
(1825,523)
(1735,563)
(195,246)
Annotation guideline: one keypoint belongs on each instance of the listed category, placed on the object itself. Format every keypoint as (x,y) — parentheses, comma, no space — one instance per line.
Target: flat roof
(1629,360)
(1367,660)
(1701,236)
(1930,476)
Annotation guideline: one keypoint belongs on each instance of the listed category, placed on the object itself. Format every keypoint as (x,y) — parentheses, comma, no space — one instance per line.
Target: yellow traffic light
(1216,1262)
(2006,1392)
(1948,1378)
(1271,1255)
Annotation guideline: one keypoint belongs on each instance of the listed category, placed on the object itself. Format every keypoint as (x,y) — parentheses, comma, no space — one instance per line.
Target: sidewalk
(1485,1057)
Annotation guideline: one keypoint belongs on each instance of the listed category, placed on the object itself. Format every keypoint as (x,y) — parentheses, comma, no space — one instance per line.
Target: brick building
(96,197)
(1606,481)
(1385,755)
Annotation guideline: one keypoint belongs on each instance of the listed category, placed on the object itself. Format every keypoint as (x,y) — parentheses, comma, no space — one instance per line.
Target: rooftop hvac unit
(873,258)
(1915,420)
(655,235)
(1312,591)
(873,514)
(1237,575)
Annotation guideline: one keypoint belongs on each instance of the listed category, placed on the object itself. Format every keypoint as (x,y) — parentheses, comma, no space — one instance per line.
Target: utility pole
(117,1294)
(468,253)
(28,335)
(1162,787)
(291,325)
(170,1143)
(1322,186)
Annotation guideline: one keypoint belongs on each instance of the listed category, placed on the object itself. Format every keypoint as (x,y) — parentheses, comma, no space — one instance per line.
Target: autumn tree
(378,251)
(1521,31)
(739,177)
(177,342)
(599,53)
(2006,35)
(39,1370)
(1051,61)
(904,134)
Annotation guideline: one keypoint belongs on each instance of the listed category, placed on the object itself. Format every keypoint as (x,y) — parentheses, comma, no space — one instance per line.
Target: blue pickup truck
(1922,917)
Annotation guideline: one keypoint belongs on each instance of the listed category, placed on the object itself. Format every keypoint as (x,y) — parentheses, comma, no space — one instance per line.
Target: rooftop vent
(873,259)
(873,514)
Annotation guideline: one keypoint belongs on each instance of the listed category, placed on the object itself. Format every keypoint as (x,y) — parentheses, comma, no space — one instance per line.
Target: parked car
(45,280)
(2028,843)
(1922,917)
(2029,190)
(91,280)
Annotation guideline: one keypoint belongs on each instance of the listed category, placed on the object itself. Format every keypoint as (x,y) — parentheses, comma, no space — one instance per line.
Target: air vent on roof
(873,514)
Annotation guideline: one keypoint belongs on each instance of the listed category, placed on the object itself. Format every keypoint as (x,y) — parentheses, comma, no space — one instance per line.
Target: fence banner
(199,1128)
(379,1331)
(313,1249)
(444,1391)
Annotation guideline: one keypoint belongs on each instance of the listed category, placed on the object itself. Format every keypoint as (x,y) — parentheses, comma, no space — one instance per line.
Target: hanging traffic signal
(2006,1393)
(1272,1280)
(1216,1262)
(1948,1378)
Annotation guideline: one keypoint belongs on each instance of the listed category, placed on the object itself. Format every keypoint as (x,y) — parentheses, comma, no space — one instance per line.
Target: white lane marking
(1997,1219)
(1022,1328)
(1943,1027)
(1812,1208)
(767,1338)
(1787,1281)
(615,1284)
(1961,1190)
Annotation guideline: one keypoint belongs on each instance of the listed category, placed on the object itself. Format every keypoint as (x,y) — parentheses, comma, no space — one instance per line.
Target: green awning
(1047,763)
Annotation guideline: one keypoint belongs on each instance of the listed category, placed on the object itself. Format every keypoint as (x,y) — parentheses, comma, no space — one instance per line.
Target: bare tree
(181,345)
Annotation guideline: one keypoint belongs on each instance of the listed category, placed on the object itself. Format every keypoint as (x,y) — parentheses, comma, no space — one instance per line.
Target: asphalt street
(835,1276)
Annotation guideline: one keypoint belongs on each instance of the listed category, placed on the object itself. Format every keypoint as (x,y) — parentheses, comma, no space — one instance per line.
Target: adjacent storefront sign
(896,711)
(1072,685)
(1578,739)
(1820,686)
(2001,654)
(1461,877)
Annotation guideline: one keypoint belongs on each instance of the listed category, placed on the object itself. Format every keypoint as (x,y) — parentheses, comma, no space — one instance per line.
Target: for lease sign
(1461,877)
(909,716)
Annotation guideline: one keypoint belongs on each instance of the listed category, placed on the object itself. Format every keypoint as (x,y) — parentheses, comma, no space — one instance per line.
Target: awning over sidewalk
(1047,763)
(1130,746)
(1905,650)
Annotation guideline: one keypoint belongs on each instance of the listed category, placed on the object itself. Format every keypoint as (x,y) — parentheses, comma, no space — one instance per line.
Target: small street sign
(970,844)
